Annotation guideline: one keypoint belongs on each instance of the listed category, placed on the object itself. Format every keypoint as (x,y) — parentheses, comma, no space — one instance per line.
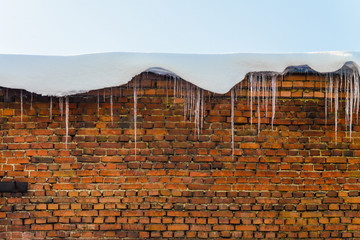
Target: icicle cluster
(345,81)
(262,87)
(194,102)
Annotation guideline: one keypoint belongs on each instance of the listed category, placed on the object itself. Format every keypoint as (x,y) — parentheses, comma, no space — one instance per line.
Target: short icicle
(331,90)
(111,106)
(174,94)
(31,100)
(66,121)
(61,106)
(98,102)
(51,106)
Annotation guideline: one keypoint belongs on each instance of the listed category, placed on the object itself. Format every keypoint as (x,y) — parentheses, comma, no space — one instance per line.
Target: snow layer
(66,75)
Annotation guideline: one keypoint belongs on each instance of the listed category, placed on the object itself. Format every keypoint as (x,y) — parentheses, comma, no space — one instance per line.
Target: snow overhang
(218,73)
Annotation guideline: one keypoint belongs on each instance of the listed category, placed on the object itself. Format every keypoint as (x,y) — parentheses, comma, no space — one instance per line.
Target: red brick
(178,227)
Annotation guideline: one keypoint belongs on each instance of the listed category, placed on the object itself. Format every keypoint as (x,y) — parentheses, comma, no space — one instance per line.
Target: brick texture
(295,181)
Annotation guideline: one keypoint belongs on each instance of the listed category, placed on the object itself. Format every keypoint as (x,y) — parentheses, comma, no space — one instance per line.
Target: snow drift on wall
(66,75)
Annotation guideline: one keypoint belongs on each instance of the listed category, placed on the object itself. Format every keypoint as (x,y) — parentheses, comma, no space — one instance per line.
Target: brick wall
(293,181)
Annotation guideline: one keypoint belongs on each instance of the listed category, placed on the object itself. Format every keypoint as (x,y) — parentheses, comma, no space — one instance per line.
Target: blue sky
(67,27)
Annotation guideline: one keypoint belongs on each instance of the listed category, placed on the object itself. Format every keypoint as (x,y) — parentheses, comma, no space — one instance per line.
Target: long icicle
(66,120)
(232,121)
(251,98)
(274,93)
(202,109)
(336,106)
(266,90)
(135,115)
(327,87)
(357,94)
(351,104)
(197,112)
(258,89)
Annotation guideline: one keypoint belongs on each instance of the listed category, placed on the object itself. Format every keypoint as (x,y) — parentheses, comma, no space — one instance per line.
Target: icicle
(197,112)
(266,90)
(251,98)
(331,90)
(174,79)
(258,89)
(66,121)
(357,94)
(98,102)
(61,106)
(135,115)
(167,91)
(274,93)
(326,101)
(192,100)
(336,106)
(202,109)
(51,106)
(104,95)
(351,103)
(111,105)
(263,87)
(346,89)
(31,100)
(241,88)
(232,121)
(21,106)
(185,103)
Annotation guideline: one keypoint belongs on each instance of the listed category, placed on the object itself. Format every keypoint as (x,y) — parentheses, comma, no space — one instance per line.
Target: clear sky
(68,27)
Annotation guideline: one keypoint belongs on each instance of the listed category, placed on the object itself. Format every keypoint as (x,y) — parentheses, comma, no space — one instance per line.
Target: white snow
(66,75)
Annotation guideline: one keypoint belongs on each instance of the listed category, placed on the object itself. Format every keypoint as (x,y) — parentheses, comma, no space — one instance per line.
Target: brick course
(293,181)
